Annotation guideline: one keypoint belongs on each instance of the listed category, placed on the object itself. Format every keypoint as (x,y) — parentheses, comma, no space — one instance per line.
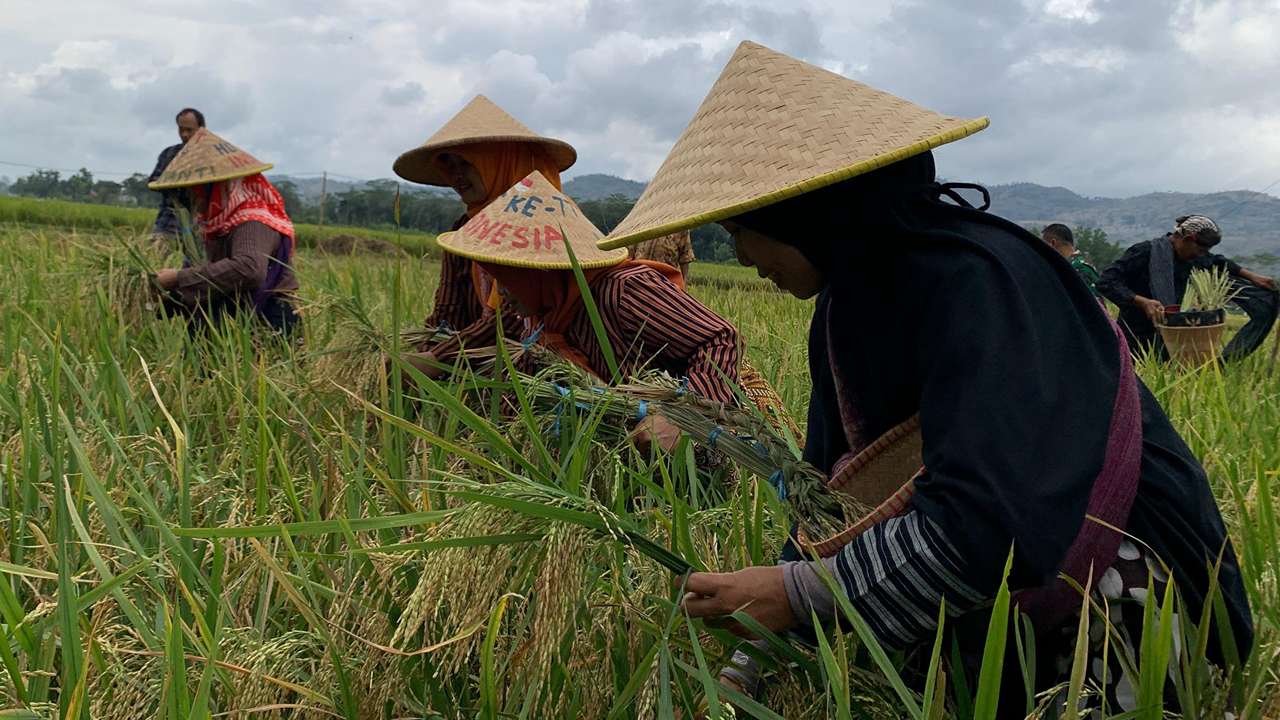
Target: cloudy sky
(1107,97)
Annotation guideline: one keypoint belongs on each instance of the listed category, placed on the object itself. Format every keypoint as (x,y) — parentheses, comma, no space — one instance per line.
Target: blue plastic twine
(714,435)
(779,484)
(684,387)
(642,411)
(532,339)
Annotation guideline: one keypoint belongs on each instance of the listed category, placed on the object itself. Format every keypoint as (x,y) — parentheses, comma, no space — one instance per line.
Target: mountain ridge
(1248,218)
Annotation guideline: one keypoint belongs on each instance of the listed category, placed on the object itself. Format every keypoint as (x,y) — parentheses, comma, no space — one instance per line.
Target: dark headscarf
(900,198)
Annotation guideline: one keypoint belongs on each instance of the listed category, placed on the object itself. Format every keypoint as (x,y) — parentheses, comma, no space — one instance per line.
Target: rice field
(228,527)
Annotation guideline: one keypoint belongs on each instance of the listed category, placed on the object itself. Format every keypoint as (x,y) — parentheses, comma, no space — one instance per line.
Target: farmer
(675,250)
(1152,275)
(522,240)
(942,311)
(166,226)
(1059,237)
(479,153)
(248,237)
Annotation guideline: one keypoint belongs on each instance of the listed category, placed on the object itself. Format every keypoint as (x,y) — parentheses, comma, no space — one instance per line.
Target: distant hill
(1250,221)
(599,187)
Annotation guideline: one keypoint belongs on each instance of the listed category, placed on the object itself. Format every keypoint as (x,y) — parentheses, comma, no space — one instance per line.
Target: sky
(1106,97)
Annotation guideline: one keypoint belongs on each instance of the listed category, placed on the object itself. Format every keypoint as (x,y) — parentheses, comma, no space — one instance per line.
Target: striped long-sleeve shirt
(458,307)
(651,323)
(457,302)
(895,575)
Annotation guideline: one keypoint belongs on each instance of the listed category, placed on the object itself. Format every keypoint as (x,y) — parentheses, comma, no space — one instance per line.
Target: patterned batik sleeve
(686,249)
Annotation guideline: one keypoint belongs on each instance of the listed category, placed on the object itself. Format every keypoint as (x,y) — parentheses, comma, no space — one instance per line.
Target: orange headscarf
(501,165)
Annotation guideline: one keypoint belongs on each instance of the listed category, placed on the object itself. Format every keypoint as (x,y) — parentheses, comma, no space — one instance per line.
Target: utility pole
(324,184)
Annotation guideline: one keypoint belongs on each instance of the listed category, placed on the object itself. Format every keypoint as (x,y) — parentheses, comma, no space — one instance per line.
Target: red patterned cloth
(242,200)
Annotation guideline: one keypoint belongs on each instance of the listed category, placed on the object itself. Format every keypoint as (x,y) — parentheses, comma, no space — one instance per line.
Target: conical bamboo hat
(773,127)
(481,121)
(207,158)
(529,227)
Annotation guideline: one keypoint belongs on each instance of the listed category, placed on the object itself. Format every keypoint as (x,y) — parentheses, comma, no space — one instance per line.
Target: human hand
(656,429)
(1262,281)
(1154,309)
(423,362)
(757,591)
(167,278)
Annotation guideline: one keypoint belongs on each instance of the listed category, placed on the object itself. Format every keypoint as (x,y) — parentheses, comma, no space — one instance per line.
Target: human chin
(803,293)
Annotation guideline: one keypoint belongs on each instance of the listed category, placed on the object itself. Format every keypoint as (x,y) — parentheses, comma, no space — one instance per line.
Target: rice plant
(235,529)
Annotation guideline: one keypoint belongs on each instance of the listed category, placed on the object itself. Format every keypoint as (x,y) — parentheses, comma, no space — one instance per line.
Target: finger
(702,583)
(702,606)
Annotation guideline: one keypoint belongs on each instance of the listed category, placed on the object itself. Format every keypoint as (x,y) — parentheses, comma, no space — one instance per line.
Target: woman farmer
(248,237)
(1030,417)
(523,239)
(1153,275)
(479,153)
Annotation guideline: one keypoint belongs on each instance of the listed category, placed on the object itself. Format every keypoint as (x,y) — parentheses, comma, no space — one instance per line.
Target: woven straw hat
(529,227)
(479,122)
(207,158)
(774,127)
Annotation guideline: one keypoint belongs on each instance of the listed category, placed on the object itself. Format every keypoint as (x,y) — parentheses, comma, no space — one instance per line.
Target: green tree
(134,191)
(608,212)
(1095,245)
(78,187)
(712,243)
(41,184)
(293,203)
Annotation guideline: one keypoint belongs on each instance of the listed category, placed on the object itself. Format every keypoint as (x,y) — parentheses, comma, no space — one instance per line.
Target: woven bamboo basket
(1193,345)
(882,476)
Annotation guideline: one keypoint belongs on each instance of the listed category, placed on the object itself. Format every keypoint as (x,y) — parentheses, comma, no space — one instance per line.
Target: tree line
(374,205)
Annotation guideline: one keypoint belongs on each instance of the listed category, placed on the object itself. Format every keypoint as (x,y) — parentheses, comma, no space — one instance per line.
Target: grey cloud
(225,105)
(1116,106)
(406,93)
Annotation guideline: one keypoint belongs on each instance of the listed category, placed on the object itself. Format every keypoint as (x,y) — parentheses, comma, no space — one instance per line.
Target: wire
(1251,198)
(46,167)
(315,173)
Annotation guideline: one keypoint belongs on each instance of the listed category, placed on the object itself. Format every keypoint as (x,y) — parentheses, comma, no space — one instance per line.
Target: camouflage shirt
(674,250)
(1087,272)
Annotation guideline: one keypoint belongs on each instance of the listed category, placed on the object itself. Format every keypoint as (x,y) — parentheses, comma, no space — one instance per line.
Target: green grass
(223,530)
(87,218)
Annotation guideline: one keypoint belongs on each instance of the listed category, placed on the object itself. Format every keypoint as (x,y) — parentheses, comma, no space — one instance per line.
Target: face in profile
(187,126)
(463,177)
(782,264)
(1190,247)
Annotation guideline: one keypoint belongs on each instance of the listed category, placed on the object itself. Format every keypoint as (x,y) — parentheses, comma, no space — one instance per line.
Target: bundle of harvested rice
(749,440)
(128,274)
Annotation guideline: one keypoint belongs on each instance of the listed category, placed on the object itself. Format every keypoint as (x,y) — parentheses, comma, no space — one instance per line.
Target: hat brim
(419,165)
(238,173)
(445,241)
(724,212)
